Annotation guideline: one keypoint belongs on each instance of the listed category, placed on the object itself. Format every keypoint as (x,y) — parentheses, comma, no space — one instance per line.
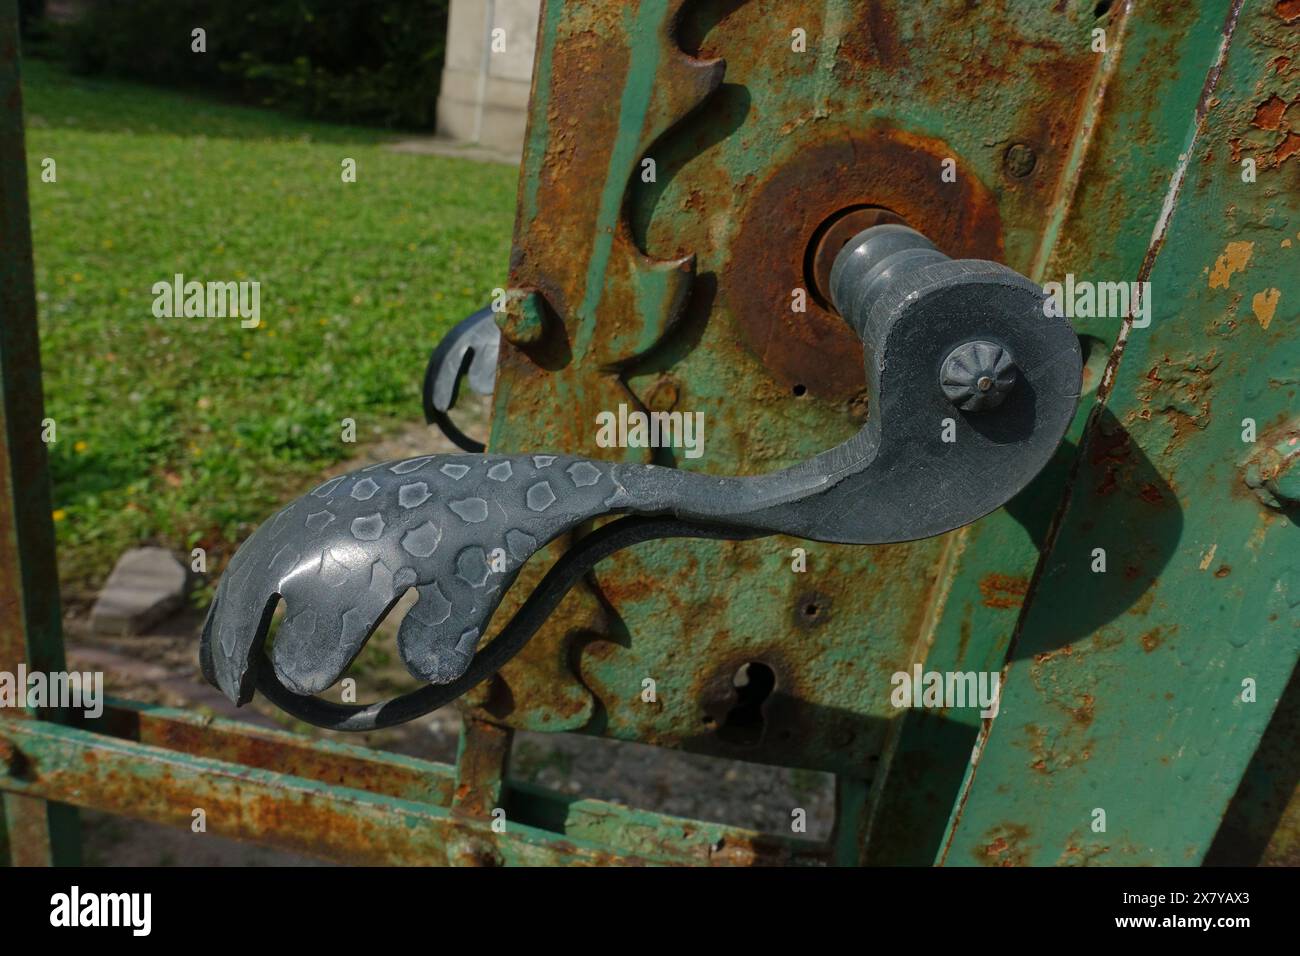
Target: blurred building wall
(484,96)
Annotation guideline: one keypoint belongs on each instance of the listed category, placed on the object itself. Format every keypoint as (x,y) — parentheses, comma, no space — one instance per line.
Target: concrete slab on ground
(146,585)
(442,146)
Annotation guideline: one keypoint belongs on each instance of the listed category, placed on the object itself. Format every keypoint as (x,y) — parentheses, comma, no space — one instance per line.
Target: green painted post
(1164,626)
(1157,74)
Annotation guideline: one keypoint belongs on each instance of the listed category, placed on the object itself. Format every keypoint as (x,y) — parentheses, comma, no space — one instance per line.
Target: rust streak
(1003,591)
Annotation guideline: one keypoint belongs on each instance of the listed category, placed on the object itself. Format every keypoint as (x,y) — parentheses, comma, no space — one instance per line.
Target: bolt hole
(800,391)
(811,609)
(754,683)
(1101,9)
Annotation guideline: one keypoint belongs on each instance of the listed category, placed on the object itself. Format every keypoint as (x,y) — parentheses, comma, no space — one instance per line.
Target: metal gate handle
(971,386)
(469,353)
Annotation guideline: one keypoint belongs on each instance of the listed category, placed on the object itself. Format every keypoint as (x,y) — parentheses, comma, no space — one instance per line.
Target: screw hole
(800,391)
(1101,9)
(811,609)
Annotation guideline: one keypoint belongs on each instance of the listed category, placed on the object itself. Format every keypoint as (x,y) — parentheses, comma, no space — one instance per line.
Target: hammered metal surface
(457,528)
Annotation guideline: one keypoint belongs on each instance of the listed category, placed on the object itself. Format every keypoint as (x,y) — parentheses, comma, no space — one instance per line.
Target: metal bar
(482,761)
(655,836)
(1262,824)
(1160,65)
(482,755)
(326,761)
(307,816)
(851,820)
(324,817)
(1139,688)
(29,595)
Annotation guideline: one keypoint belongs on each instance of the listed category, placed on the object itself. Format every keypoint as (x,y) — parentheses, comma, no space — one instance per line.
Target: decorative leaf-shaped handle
(468,352)
(972,385)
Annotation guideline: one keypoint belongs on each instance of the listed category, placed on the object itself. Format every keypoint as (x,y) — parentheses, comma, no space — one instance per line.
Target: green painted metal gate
(1139,599)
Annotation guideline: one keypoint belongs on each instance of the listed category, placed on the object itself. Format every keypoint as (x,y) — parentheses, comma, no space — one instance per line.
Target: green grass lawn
(188,431)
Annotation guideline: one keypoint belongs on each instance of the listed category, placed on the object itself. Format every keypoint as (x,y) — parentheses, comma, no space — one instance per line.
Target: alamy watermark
(69,690)
(637,429)
(212,300)
(130,910)
(947,689)
(1073,299)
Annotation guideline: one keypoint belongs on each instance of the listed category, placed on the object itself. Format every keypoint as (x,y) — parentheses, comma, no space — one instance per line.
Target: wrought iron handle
(468,352)
(971,387)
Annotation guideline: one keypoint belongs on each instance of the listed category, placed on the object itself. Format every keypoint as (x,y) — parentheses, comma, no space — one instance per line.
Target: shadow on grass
(56,98)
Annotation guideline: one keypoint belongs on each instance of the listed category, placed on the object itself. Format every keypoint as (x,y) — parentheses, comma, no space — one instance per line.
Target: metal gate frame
(361,806)
(338,801)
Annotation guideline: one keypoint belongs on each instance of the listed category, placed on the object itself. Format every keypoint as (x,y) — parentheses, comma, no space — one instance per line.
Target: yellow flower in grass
(59,514)
(79,447)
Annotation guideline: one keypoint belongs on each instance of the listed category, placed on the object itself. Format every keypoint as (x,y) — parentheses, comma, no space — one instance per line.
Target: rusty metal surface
(343,822)
(1063,157)
(182,732)
(482,761)
(776,143)
(1153,712)
(841,166)
(1105,217)
(35,832)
